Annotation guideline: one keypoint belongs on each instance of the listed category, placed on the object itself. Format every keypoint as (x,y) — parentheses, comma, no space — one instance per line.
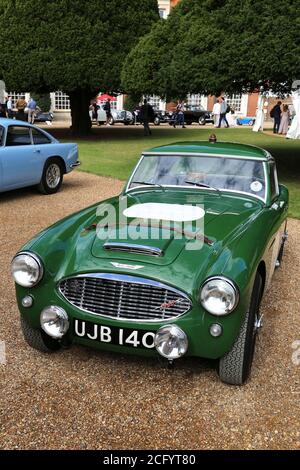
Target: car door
(43,148)
(19,159)
(276,210)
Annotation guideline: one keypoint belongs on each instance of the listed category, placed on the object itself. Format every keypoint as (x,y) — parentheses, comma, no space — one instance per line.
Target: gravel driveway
(83,399)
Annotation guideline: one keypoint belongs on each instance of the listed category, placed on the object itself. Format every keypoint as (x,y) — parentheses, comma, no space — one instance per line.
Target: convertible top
(207,148)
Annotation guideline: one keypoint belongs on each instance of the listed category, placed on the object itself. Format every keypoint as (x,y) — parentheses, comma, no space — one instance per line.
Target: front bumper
(75,165)
(196,324)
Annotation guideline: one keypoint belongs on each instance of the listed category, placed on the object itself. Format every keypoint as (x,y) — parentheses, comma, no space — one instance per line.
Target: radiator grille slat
(116,298)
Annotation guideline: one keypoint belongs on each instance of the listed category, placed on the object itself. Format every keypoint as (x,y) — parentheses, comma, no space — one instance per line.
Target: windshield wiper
(147,183)
(202,185)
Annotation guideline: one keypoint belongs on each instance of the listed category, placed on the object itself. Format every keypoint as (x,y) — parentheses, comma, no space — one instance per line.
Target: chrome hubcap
(53,175)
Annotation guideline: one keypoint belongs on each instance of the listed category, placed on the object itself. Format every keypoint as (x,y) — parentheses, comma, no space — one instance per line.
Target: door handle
(36,151)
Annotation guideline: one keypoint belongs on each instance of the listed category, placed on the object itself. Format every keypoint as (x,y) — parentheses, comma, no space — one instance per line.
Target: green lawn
(115,150)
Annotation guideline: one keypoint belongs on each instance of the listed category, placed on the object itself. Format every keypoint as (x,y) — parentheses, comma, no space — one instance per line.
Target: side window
(274,189)
(18,135)
(39,138)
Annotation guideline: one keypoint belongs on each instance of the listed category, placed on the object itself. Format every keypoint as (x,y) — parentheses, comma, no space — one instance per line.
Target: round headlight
(219,296)
(171,342)
(27,269)
(54,321)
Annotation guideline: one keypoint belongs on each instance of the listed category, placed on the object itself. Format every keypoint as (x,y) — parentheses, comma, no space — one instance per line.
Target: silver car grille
(124,297)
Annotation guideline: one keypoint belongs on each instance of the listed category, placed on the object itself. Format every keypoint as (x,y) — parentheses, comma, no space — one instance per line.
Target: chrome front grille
(124,297)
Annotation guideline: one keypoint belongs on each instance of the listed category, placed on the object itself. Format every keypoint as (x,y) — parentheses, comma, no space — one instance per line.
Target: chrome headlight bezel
(39,265)
(234,292)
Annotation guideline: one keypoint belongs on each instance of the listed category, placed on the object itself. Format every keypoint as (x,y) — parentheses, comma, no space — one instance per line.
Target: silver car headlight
(27,269)
(219,296)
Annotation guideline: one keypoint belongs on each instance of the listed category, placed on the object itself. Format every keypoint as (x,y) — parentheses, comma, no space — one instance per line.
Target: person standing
(146,116)
(285,120)
(179,114)
(216,112)
(276,115)
(223,112)
(31,110)
(21,105)
(9,107)
(107,109)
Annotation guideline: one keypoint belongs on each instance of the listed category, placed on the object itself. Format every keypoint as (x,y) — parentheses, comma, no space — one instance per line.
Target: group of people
(220,110)
(281,118)
(22,110)
(107,108)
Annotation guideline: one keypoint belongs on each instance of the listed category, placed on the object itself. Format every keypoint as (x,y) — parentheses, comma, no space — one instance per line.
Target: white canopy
(294,130)
(259,119)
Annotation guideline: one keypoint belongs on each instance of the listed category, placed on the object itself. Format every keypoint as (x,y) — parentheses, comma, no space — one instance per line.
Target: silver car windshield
(203,172)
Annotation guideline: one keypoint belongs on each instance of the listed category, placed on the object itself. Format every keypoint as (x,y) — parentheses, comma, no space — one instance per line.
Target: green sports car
(175,266)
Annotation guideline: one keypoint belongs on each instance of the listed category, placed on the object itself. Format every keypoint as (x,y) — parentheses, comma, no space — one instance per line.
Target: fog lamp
(54,321)
(171,342)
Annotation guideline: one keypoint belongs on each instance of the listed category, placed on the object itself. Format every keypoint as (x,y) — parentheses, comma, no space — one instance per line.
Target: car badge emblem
(127,266)
(167,305)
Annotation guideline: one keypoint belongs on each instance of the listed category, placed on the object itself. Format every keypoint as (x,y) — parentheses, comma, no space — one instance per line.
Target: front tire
(156,121)
(37,339)
(52,177)
(235,366)
(202,121)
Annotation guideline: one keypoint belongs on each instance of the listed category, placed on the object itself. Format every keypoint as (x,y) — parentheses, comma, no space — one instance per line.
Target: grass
(114,151)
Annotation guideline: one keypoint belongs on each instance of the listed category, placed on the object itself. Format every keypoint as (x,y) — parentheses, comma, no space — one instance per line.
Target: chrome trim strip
(133,280)
(74,165)
(130,247)
(204,154)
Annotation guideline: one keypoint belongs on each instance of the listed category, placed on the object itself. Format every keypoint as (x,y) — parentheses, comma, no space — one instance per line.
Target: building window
(154,101)
(15,96)
(194,100)
(235,102)
(162,13)
(62,102)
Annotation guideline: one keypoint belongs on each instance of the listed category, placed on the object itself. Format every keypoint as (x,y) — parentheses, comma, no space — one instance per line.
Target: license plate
(113,335)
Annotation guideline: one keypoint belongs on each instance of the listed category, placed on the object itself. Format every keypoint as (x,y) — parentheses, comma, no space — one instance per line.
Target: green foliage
(210,46)
(71,45)
(43,101)
(131,102)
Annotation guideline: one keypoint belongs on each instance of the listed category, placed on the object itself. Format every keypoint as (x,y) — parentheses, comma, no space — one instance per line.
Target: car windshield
(203,172)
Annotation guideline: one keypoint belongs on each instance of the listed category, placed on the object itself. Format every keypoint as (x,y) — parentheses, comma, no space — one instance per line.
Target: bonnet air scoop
(132,248)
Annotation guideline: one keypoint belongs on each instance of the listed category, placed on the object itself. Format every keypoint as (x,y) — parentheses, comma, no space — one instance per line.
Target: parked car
(197,114)
(122,116)
(173,291)
(30,156)
(245,121)
(43,116)
(163,117)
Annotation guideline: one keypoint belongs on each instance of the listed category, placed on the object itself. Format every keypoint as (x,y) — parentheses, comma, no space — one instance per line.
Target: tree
(209,46)
(75,46)
(43,100)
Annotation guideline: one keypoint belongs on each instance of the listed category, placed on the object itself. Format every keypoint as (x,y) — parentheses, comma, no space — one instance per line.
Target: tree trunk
(81,122)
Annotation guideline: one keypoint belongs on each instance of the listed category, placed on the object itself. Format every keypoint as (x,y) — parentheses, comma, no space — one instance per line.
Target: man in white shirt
(216,112)
(9,107)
